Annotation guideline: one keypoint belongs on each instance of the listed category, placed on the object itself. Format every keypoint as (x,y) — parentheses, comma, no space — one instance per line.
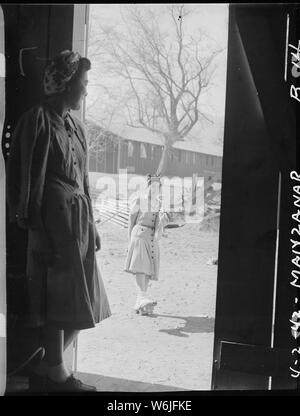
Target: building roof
(191,143)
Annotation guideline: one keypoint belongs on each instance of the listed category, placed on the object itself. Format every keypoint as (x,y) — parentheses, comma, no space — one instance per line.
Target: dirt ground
(174,346)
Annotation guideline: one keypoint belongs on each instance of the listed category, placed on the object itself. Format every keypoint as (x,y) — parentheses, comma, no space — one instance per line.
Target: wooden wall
(178,164)
(259,145)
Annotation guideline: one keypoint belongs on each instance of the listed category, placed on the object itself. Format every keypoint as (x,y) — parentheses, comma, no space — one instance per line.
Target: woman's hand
(97,240)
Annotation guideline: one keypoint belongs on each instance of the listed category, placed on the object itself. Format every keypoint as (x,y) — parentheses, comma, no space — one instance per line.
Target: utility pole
(118,167)
(119,156)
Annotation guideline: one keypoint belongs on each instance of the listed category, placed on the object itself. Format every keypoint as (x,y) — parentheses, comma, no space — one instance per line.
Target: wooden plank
(116,203)
(264,43)
(285,292)
(254,359)
(248,218)
(115,213)
(112,207)
(113,219)
(111,213)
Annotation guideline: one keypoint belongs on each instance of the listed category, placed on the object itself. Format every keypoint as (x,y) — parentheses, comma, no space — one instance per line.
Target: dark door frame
(253,341)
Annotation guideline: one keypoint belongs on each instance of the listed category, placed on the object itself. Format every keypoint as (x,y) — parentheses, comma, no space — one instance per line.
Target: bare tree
(99,140)
(165,74)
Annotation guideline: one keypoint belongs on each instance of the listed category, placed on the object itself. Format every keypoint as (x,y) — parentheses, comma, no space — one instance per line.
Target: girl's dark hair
(84,64)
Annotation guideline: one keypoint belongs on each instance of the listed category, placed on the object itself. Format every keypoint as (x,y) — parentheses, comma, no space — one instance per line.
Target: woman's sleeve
(133,214)
(86,182)
(82,132)
(20,166)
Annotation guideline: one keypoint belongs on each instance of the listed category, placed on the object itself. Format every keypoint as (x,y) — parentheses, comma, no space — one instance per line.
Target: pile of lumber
(116,211)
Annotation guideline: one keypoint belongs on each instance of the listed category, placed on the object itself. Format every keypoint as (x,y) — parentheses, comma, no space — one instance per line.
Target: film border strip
(295,281)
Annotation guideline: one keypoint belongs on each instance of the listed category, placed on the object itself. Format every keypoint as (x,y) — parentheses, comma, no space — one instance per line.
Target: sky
(210,18)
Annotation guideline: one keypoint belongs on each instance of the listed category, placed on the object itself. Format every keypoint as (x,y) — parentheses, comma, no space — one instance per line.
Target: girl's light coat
(145,227)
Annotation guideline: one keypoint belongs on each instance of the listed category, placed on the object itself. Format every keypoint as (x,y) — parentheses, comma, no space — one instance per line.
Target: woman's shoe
(145,306)
(148,309)
(72,384)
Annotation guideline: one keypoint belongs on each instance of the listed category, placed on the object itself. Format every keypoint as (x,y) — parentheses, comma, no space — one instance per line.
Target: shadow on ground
(18,385)
(191,325)
(105,383)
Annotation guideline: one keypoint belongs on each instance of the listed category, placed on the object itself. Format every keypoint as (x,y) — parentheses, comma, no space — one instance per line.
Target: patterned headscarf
(60,71)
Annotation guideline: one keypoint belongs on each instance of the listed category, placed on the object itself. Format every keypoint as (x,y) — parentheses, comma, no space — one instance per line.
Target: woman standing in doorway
(145,226)
(48,193)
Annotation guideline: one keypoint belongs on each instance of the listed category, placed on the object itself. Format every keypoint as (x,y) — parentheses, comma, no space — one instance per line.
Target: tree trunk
(164,159)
